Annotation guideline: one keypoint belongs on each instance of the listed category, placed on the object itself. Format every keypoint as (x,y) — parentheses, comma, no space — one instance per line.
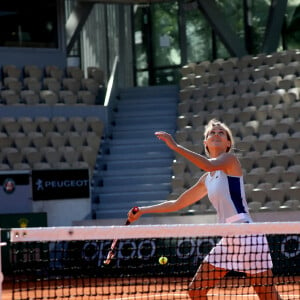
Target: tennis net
(68,262)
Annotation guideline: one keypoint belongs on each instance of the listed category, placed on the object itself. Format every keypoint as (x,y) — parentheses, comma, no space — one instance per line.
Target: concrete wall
(271,216)
(32,56)
(57,110)
(63,212)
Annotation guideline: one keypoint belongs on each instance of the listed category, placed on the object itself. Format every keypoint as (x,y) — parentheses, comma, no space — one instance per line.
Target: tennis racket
(113,246)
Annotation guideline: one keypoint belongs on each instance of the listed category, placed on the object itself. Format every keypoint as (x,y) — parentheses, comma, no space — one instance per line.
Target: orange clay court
(139,289)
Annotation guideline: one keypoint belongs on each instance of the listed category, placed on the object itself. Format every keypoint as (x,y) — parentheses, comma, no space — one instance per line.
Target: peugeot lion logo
(39,185)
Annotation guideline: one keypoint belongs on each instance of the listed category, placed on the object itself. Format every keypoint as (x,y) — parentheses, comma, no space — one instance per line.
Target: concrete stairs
(135,167)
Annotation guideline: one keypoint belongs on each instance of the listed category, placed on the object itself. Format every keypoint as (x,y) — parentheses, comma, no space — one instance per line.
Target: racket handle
(112,250)
(134,210)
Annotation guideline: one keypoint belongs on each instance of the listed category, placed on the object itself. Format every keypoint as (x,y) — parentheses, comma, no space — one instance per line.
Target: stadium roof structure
(126,1)
(234,44)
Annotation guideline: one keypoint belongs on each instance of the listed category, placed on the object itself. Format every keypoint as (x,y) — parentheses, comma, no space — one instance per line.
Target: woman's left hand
(167,138)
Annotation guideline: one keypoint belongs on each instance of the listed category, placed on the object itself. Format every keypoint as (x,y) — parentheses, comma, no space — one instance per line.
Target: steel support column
(275,21)
(76,22)
(231,40)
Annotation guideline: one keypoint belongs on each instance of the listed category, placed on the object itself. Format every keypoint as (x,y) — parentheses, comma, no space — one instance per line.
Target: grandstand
(44,137)
(65,110)
(263,111)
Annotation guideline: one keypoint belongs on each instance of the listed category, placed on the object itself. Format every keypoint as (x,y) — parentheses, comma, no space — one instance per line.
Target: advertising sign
(60,184)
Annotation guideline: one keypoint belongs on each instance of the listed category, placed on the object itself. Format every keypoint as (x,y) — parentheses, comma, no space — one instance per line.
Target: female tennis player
(223,183)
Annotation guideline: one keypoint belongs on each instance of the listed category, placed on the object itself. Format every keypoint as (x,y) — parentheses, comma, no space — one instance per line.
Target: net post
(1,273)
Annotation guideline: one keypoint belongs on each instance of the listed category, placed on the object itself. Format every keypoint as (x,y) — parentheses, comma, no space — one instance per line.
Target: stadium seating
(51,85)
(259,98)
(49,142)
(41,142)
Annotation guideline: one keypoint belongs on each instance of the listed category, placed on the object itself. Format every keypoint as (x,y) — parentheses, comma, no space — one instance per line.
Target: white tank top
(227,195)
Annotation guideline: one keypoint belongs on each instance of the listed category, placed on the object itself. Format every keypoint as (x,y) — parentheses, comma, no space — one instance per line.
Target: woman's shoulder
(230,155)
(234,166)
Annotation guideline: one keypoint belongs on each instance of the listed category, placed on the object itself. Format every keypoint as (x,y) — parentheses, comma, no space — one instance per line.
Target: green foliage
(164,34)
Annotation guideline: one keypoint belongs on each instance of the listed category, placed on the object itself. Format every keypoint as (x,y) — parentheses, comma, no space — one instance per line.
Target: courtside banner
(60,184)
(184,255)
(15,192)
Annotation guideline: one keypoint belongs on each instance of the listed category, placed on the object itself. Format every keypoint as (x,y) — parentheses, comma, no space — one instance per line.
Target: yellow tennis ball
(163,260)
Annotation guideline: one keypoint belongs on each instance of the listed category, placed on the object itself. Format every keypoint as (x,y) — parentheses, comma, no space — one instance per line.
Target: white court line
(158,296)
(162,296)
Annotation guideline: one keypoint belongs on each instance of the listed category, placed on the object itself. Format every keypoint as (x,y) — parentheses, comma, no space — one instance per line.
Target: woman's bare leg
(206,277)
(263,285)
